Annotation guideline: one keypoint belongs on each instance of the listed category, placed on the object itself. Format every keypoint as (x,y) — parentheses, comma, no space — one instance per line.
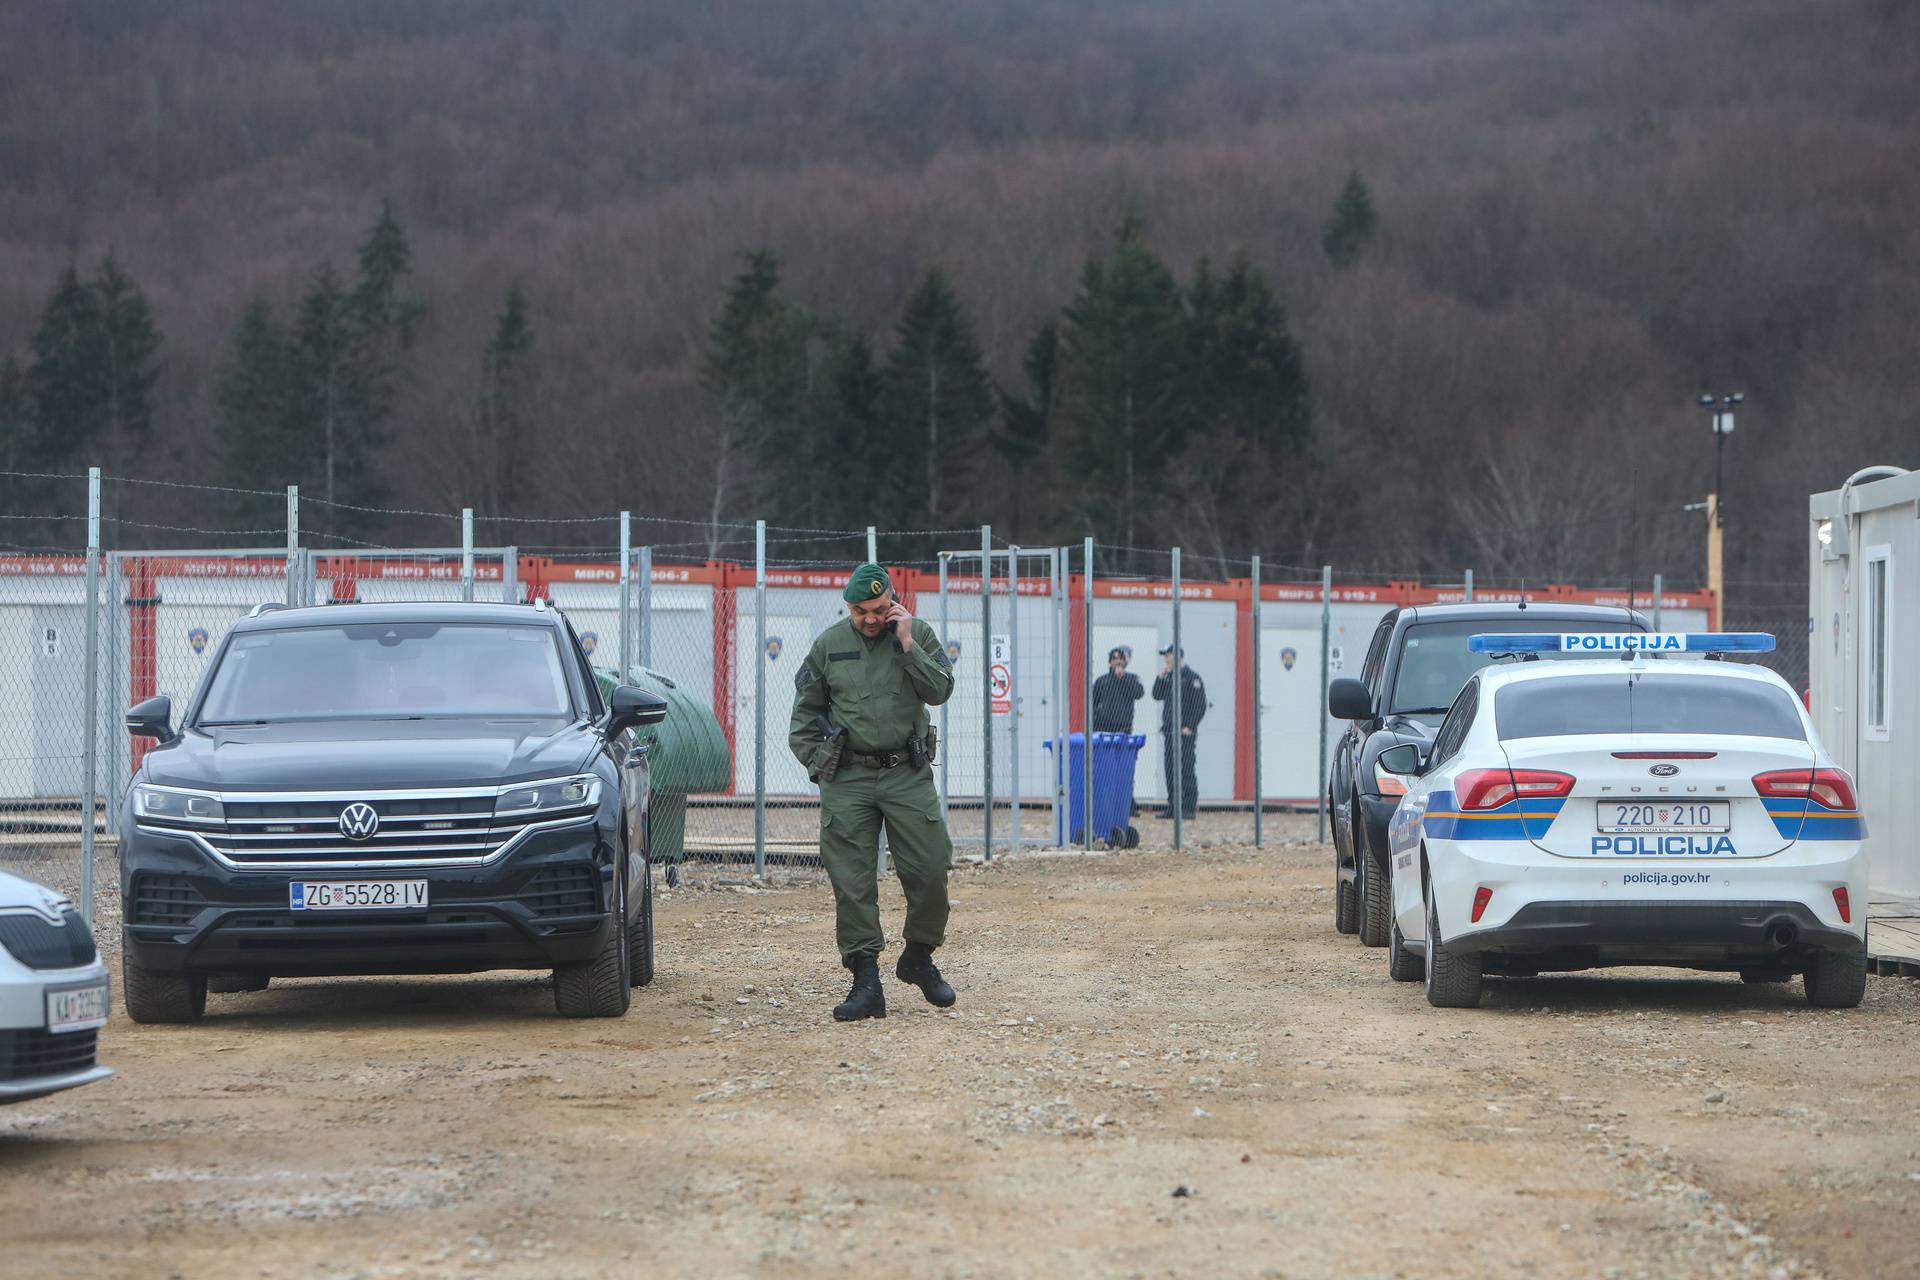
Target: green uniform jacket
(878,695)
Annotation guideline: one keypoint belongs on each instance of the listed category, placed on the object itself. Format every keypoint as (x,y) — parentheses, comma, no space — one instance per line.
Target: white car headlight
(164,805)
(582,792)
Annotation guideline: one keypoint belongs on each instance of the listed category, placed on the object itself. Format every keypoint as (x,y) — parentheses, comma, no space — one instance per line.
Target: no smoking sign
(1000,675)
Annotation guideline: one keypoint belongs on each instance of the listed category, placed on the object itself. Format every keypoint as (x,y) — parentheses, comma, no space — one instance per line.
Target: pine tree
(128,343)
(503,415)
(256,445)
(1023,433)
(327,406)
(16,433)
(1124,372)
(66,383)
(938,403)
(384,320)
(849,440)
(1252,405)
(759,370)
(1352,224)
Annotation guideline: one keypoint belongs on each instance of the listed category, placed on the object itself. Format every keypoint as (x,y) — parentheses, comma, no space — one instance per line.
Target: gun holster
(825,760)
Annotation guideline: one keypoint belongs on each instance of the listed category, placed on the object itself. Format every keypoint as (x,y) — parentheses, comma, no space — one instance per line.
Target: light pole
(1721,409)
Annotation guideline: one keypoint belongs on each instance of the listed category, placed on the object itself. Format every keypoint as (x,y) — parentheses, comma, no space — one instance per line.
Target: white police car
(1638,809)
(53,993)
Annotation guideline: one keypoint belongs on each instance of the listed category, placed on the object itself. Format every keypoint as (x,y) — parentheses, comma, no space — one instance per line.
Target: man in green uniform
(860,727)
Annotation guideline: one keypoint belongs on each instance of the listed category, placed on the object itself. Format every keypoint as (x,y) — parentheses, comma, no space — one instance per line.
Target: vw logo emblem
(358,821)
(1658,771)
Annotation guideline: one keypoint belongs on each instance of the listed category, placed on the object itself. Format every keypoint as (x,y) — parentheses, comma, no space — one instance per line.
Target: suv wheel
(1346,911)
(162,995)
(599,988)
(640,937)
(1836,979)
(1375,897)
(1453,982)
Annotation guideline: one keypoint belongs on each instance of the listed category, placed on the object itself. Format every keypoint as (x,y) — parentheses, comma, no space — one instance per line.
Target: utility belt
(917,754)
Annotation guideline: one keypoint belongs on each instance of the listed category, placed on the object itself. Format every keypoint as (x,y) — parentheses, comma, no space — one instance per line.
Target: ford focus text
(372,789)
(1632,810)
(53,994)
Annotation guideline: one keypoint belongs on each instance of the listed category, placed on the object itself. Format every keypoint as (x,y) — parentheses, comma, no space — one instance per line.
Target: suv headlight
(582,792)
(162,805)
(1389,784)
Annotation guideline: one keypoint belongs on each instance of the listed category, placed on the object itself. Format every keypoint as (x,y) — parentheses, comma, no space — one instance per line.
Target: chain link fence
(1044,642)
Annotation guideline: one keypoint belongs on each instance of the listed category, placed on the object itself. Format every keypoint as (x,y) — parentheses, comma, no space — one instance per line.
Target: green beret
(869,582)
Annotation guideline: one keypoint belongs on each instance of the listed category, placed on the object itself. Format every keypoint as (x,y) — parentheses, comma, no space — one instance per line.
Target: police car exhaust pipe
(1783,934)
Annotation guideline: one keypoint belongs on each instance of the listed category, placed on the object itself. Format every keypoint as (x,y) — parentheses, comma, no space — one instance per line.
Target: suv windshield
(391,671)
(1435,664)
(1648,703)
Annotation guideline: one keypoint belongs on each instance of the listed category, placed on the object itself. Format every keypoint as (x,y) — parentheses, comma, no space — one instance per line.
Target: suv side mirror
(1348,699)
(1403,759)
(152,718)
(632,706)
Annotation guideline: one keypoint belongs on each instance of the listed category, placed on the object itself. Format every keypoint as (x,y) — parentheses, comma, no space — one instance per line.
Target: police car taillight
(1491,788)
(1828,788)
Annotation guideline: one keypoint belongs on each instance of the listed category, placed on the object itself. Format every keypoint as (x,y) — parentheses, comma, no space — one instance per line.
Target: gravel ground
(1160,1065)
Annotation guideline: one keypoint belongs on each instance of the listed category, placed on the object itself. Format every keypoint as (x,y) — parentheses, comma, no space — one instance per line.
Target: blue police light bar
(1602,643)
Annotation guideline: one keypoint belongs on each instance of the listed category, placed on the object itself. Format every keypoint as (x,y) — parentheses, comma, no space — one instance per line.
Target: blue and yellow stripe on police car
(1806,819)
(1523,818)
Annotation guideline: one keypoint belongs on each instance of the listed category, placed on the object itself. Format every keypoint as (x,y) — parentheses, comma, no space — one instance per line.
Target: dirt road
(1161,1065)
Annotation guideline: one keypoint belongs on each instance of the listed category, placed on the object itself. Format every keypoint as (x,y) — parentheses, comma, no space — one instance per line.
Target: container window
(1878,638)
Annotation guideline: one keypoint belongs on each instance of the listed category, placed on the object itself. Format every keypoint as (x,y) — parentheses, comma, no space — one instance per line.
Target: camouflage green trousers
(852,808)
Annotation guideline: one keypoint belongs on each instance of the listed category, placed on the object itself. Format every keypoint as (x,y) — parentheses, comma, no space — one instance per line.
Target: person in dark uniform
(1193,709)
(1114,695)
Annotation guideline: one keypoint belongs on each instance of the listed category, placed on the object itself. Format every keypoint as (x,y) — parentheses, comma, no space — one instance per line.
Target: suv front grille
(30,1054)
(563,891)
(39,944)
(301,830)
(164,900)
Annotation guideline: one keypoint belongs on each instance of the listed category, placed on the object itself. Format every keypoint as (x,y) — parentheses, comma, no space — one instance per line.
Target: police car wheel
(1402,964)
(1836,979)
(640,938)
(1346,913)
(599,988)
(160,995)
(1375,900)
(1453,982)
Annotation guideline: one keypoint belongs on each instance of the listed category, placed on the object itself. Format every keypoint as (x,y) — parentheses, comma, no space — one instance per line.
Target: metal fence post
(293,545)
(1013,693)
(1659,589)
(1061,683)
(760,699)
(946,792)
(626,594)
(873,546)
(90,752)
(986,689)
(1320,712)
(110,611)
(1469,586)
(510,576)
(1176,782)
(466,554)
(1086,723)
(646,607)
(1255,623)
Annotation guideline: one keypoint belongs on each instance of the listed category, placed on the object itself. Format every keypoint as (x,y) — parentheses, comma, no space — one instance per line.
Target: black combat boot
(916,966)
(865,999)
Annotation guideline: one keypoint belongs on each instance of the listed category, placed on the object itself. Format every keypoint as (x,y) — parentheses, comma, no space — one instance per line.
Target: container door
(788,638)
(1290,713)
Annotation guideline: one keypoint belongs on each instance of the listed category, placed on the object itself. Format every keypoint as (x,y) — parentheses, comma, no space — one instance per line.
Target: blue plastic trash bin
(1113,760)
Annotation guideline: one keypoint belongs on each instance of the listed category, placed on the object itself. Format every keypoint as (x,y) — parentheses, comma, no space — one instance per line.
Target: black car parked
(389,789)
(1415,665)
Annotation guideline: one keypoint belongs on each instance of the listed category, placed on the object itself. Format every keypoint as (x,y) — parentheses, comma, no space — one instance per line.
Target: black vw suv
(1415,667)
(389,789)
